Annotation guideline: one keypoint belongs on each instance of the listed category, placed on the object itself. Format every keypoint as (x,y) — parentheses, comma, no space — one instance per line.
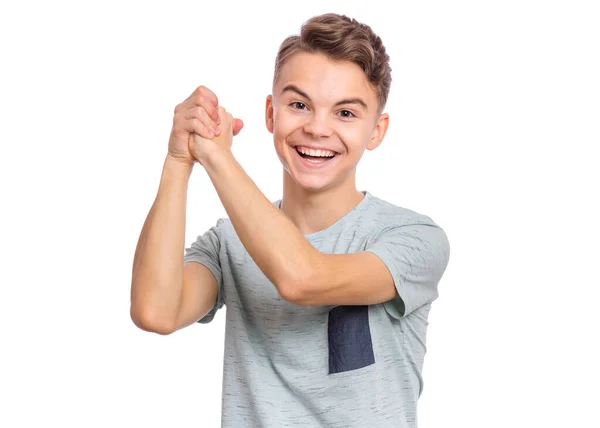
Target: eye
(346,114)
(298,105)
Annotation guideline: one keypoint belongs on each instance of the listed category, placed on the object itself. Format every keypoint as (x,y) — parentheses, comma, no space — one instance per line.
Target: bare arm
(165,295)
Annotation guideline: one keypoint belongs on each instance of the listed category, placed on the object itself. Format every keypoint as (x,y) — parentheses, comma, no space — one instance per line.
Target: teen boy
(328,289)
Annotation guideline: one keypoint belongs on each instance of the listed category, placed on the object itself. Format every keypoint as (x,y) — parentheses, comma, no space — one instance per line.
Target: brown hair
(342,39)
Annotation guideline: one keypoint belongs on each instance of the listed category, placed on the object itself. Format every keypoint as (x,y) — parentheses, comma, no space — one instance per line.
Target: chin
(314,182)
(313,185)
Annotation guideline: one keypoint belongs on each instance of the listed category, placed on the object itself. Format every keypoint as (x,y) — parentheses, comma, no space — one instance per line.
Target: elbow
(296,291)
(150,321)
(292,293)
(301,284)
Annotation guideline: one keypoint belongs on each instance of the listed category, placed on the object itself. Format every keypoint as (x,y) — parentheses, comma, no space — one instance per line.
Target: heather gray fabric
(327,366)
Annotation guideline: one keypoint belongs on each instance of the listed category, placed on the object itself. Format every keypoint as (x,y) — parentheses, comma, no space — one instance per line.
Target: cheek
(354,137)
(285,124)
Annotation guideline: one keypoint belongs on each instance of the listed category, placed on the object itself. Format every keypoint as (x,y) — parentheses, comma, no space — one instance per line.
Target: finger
(195,125)
(204,97)
(223,117)
(212,111)
(200,113)
(237,126)
(208,95)
(222,112)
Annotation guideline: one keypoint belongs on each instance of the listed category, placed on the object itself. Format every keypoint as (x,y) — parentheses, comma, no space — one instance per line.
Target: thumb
(237,126)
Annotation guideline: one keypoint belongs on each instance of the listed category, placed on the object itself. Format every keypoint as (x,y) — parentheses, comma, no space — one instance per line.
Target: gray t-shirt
(327,366)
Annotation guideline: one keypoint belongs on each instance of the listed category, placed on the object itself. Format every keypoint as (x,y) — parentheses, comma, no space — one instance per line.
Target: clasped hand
(201,128)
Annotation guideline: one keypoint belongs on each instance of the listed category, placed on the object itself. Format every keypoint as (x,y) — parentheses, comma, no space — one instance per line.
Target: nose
(318,125)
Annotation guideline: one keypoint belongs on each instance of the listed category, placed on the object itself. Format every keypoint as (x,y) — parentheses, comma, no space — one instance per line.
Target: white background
(494,127)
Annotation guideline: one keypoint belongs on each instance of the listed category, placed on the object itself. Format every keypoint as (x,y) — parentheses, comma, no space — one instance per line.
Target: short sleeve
(205,250)
(417,256)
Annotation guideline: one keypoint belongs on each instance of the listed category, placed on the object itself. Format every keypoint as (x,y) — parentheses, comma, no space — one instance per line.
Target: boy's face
(321,104)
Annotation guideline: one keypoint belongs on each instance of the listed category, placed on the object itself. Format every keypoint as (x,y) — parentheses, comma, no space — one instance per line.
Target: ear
(379,131)
(269,113)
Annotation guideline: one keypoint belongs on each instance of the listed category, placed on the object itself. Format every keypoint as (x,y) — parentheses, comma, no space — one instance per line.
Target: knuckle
(177,121)
(194,123)
(178,129)
(203,115)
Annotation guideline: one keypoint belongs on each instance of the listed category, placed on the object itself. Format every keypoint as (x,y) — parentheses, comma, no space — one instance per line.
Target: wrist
(177,167)
(217,159)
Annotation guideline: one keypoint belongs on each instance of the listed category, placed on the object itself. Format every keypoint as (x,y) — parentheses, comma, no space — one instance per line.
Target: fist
(197,115)
(202,148)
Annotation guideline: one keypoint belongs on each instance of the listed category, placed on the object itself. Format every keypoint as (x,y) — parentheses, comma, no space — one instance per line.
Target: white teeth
(315,153)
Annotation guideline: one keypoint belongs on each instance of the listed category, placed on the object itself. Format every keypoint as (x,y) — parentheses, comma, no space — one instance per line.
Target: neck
(312,211)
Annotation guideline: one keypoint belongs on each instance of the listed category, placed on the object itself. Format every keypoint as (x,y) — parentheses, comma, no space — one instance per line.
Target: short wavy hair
(342,39)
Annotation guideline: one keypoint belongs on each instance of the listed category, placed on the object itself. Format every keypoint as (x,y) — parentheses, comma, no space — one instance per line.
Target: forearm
(272,240)
(157,275)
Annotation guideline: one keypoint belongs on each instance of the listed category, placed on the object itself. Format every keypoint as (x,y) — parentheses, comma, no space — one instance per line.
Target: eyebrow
(353,100)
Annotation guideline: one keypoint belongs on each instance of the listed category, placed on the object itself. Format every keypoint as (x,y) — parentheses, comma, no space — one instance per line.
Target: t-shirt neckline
(349,216)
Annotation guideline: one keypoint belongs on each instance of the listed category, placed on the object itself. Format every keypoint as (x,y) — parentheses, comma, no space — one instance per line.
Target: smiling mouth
(317,154)
(319,157)
(315,158)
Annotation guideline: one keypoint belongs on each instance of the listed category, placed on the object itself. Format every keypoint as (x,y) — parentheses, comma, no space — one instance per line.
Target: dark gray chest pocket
(350,345)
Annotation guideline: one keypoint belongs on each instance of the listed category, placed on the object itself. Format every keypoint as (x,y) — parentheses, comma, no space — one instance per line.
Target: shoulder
(390,215)
(224,228)
(402,228)
(398,224)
